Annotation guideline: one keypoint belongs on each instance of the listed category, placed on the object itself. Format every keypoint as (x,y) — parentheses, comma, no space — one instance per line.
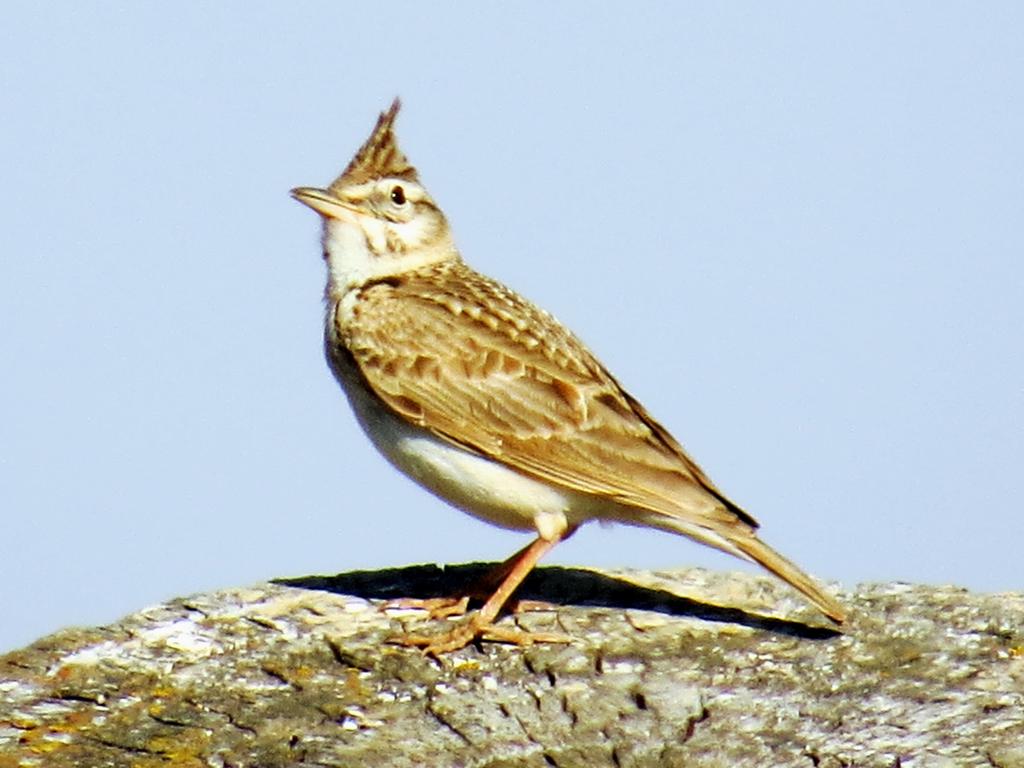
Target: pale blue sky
(795,234)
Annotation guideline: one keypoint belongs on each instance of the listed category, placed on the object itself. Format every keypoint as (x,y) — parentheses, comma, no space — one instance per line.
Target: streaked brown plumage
(433,354)
(457,353)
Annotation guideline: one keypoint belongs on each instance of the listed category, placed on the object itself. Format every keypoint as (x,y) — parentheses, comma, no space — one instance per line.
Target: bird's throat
(357,255)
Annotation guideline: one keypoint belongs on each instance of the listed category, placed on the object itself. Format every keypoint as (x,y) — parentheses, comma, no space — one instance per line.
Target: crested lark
(486,400)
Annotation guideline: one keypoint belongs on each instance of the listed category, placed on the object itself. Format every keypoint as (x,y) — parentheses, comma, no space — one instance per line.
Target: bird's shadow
(550,584)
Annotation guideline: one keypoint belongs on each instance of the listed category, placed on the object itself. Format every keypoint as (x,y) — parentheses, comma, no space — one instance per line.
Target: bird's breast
(482,487)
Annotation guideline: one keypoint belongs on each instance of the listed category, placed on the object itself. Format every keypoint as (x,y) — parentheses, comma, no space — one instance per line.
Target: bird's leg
(493,579)
(457,604)
(481,589)
(481,624)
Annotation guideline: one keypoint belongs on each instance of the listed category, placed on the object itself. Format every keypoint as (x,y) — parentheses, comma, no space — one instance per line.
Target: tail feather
(734,535)
(768,558)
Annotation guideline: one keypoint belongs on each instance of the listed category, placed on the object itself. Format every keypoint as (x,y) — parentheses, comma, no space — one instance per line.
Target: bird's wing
(463,356)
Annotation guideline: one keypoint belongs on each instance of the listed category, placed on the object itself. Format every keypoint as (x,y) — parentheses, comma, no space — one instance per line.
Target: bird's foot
(476,629)
(436,607)
(531,606)
(448,607)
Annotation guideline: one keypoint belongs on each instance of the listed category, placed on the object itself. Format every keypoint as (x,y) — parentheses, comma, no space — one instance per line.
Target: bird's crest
(379,156)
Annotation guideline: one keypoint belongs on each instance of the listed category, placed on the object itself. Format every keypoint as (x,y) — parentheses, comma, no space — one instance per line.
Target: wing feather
(465,357)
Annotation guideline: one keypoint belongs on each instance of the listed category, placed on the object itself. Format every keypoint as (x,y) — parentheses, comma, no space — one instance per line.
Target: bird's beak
(324,203)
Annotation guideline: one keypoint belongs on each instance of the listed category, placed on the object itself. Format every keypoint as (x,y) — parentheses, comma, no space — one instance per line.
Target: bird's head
(379,220)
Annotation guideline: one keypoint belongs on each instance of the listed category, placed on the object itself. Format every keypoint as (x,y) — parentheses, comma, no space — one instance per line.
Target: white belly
(479,486)
(484,488)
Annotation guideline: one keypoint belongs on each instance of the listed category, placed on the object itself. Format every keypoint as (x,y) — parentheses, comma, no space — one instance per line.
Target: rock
(302,672)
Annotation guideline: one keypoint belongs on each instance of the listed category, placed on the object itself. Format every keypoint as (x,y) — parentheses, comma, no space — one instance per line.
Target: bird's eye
(398,196)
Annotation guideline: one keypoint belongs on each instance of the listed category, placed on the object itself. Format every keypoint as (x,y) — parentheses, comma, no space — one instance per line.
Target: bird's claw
(466,632)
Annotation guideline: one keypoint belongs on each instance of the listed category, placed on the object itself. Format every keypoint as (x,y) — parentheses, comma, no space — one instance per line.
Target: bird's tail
(729,532)
(755,549)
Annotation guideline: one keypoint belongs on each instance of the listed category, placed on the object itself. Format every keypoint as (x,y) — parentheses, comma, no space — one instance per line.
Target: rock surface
(301,672)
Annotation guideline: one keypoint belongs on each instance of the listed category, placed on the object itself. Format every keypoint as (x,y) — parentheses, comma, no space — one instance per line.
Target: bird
(490,403)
